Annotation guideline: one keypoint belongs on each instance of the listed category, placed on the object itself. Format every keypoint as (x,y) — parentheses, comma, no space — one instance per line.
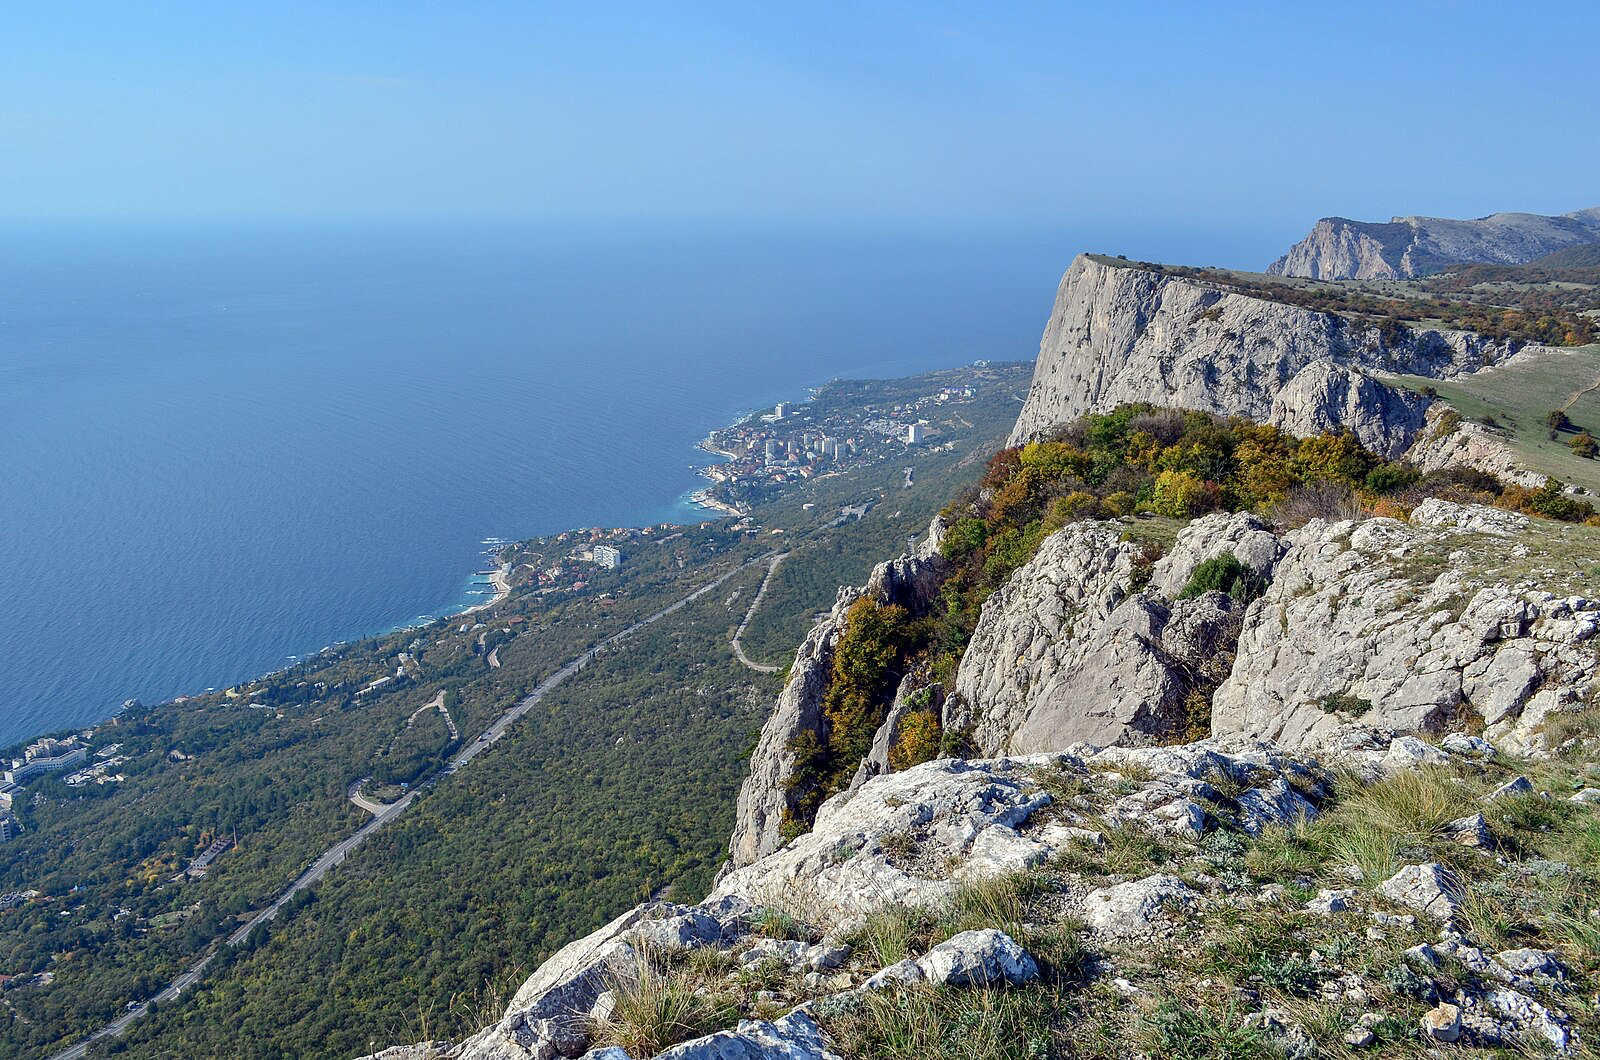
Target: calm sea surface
(224,448)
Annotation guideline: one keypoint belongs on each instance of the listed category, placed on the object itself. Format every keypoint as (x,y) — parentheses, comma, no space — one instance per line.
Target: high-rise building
(913,433)
(608,556)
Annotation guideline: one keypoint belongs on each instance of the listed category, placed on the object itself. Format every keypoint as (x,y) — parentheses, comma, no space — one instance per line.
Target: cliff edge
(1122,332)
(1338,248)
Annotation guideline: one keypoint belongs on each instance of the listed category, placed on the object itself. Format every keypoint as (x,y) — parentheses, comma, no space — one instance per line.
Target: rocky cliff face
(1464,616)
(1338,248)
(912,582)
(1326,396)
(1120,333)
(1067,651)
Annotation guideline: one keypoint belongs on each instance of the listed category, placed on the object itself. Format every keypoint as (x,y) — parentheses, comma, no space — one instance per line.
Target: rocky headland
(1194,779)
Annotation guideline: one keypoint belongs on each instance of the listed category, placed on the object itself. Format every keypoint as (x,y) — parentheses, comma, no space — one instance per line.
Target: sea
(226,445)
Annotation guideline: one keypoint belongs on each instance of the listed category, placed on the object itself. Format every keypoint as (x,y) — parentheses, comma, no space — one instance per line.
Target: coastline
(500,581)
(704,499)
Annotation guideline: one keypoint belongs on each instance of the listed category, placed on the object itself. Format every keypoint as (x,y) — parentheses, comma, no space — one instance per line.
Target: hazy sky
(1134,112)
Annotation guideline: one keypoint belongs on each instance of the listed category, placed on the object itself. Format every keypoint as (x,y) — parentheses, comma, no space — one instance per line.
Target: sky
(1142,114)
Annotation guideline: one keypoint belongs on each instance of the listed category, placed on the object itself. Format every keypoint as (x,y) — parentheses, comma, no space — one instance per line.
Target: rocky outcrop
(909,838)
(1412,627)
(911,581)
(1446,440)
(1123,333)
(1244,536)
(1067,650)
(1338,248)
(1401,627)
(915,838)
(1326,396)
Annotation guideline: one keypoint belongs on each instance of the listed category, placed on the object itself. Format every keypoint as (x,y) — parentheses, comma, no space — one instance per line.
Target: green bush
(1391,478)
(1224,574)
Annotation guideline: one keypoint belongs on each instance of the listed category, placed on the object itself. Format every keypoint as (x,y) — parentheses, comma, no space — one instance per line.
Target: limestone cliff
(1423,626)
(912,581)
(1122,333)
(1338,248)
(1067,651)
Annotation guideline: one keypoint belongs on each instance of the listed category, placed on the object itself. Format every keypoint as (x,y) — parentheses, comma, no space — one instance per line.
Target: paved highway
(336,853)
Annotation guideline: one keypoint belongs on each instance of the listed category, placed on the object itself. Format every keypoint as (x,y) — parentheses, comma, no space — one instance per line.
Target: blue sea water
(226,446)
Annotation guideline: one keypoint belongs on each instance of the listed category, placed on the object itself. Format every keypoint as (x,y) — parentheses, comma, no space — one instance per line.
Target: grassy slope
(1195,980)
(1518,396)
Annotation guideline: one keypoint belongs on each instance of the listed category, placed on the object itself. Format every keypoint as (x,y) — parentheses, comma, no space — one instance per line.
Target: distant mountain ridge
(1339,248)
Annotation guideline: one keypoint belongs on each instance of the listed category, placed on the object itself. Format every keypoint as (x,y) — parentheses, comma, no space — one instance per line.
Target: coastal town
(796,441)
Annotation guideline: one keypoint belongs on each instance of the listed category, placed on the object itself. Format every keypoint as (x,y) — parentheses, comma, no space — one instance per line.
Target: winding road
(738,649)
(337,853)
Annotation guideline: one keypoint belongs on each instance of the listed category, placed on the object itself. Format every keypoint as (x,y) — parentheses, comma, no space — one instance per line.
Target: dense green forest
(621,783)
(272,765)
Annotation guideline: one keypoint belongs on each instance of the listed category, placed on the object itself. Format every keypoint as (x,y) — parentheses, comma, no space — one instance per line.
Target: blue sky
(1138,113)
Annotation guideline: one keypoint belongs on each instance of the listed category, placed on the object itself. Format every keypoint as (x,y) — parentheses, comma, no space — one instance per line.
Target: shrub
(1391,478)
(1585,446)
(963,538)
(1320,500)
(1224,574)
(1118,504)
(1335,457)
(919,740)
(1552,502)
(1353,706)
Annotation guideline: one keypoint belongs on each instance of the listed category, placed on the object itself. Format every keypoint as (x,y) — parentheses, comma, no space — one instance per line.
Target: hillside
(1583,256)
(620,784)
(1142,876)
(1338,248)
(1510,404)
